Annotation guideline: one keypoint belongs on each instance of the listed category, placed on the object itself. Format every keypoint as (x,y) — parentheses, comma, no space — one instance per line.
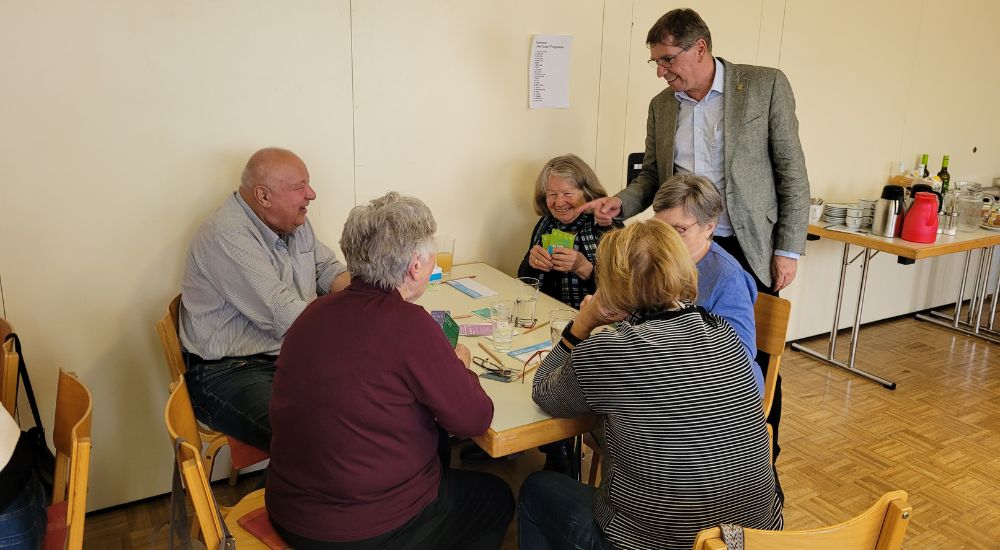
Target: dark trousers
(233,396)
(472,511)
(556,512)
(732,246)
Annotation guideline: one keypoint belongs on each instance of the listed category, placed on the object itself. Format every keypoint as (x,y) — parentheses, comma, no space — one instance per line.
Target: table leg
(993,302)
(829,358)
(985,259)
(976,302)
(840,300)
(961,289)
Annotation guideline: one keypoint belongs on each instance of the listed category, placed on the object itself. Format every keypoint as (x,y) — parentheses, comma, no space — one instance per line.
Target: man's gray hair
(381,237)
(683,25)
(696,194)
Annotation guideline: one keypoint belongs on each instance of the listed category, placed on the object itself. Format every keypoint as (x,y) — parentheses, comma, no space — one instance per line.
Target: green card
(448,325)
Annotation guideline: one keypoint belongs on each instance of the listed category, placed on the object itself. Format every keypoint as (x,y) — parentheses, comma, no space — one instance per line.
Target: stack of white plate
(836,213)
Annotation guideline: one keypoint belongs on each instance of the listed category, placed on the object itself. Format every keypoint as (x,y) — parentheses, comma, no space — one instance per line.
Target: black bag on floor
(44,460)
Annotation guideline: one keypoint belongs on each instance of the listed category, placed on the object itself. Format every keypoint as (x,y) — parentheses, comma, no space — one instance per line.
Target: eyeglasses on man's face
(666,61)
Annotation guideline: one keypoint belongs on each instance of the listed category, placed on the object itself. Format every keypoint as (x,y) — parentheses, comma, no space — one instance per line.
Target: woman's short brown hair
(645,267)
(574,169)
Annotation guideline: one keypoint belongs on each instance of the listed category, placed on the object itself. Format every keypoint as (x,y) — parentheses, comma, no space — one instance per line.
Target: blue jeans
(22,522)
(555,511)
(233,396)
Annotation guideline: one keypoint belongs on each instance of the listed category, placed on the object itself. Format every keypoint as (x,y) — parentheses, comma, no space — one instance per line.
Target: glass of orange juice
(445,254)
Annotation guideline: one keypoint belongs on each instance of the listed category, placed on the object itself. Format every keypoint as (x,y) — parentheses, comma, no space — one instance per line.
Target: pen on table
(538,326)
(490,353)
(461,316)
(529,370)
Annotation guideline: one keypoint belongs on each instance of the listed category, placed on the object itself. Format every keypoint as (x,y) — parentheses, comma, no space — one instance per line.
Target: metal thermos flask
(889,211)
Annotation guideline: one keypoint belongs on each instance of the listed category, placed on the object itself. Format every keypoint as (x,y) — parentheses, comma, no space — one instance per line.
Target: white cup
(853,222)
(855,212)
(815,212)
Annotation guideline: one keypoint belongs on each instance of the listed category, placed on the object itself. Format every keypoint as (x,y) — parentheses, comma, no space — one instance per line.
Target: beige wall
(123,124)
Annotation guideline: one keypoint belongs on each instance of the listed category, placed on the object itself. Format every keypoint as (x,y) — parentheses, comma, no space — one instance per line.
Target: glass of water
(526,298)
(558,319)
(502,316)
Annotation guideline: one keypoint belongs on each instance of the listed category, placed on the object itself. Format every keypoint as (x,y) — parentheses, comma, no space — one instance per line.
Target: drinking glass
(526,297)
(445,254)
(558,319)
(502,319)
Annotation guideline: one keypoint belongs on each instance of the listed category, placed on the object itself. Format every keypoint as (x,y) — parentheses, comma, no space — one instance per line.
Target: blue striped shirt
(244,284)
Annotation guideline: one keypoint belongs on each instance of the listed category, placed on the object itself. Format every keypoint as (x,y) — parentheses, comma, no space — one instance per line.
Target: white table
(518,424)
(980,239)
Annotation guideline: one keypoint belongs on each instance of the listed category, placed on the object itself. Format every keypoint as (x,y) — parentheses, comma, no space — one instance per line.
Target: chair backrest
(170,341)
(8,369)
(181,424)
(881,527)
(71,436)
(771,315)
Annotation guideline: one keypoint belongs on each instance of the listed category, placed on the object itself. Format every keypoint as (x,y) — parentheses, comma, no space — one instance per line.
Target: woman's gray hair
(380,238)
(572,168)
(696,194)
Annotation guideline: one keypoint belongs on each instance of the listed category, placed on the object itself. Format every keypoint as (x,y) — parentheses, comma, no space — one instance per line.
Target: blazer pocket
(752,117)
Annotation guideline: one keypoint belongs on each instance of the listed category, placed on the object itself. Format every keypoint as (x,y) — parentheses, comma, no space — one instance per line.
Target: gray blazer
(767,189)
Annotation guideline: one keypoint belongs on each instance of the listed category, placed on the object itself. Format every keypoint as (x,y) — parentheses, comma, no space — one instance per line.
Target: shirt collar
(269,235)
(718,83)
(359,285)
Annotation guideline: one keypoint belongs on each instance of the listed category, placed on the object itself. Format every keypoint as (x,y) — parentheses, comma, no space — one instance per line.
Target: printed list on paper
(548,71)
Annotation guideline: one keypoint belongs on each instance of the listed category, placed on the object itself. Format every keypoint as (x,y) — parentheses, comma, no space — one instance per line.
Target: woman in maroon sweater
(364,379)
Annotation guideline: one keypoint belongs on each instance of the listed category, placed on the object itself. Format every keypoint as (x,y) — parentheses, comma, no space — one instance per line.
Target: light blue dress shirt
(699,147)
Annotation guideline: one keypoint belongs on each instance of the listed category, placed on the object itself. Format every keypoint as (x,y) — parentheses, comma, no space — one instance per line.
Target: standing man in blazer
(735,125)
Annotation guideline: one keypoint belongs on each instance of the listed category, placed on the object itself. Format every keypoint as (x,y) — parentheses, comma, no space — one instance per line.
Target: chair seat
(249,524)
(243,455)
(56,530)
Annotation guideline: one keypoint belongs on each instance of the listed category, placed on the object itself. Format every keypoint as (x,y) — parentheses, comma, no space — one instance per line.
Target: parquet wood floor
(844,440)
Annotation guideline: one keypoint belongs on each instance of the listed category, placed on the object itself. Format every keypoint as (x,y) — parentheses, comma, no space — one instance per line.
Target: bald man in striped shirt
(252,268)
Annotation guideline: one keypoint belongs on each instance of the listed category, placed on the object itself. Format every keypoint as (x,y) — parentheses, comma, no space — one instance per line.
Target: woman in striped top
(682,424)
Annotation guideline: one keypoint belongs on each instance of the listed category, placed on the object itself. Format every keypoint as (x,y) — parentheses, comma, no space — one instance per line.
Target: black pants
(732,246)
(472,511)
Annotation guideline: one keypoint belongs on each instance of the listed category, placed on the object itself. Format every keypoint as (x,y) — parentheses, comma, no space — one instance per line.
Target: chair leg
(595,467)
(595,459)
(233,474)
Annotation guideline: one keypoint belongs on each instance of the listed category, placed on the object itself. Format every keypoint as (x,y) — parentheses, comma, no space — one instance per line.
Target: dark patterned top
(568,288)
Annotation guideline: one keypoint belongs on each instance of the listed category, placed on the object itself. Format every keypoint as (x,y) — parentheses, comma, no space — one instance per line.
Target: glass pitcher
(971,208)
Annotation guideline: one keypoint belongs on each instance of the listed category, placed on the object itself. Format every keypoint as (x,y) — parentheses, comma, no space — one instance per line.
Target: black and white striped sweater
(684,431)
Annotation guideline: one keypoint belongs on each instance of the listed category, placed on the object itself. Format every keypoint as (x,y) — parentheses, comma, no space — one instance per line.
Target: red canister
(921,222)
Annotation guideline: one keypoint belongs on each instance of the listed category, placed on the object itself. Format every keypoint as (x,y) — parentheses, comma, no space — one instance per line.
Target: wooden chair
(167,328)
(71,436)
(8,369)
(180,421)
(881,527)
(771,315)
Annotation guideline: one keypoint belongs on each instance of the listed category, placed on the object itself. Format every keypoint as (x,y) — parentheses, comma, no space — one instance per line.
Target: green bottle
(923,160)
(944,175)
